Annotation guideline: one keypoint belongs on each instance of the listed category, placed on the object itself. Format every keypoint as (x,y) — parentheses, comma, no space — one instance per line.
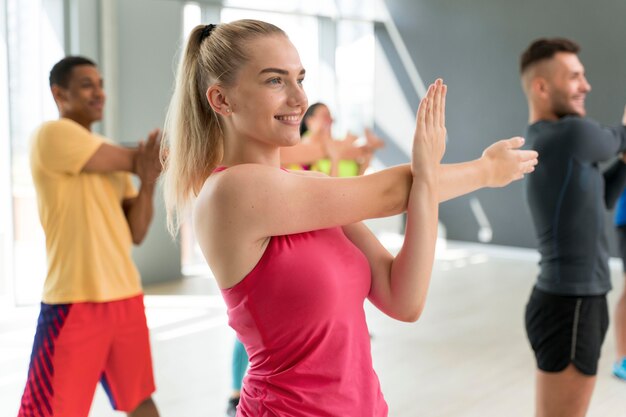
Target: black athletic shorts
(566,329)
(621,240)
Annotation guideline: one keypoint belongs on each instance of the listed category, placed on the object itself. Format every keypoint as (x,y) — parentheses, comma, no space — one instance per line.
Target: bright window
(35,43)
(355,78)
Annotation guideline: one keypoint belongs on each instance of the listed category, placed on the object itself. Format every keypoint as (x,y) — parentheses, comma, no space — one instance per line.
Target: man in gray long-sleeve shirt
(566,316)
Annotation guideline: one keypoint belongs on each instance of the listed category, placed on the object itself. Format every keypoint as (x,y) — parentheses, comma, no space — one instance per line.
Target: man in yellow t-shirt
(92,325)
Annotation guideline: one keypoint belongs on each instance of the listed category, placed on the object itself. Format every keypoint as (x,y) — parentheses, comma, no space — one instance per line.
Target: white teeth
(288,118)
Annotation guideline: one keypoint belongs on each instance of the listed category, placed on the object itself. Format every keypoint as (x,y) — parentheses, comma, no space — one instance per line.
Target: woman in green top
(345,158)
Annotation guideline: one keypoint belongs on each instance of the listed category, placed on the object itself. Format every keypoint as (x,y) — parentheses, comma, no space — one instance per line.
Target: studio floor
(466,356)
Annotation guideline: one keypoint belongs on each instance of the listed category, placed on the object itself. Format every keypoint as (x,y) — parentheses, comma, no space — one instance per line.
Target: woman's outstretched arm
(400,284)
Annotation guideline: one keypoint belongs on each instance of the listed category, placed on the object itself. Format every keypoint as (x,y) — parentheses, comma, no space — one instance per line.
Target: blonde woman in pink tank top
(295,273)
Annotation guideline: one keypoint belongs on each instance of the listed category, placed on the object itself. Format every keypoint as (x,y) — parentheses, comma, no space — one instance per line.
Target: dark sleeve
(594,143)
(614,182)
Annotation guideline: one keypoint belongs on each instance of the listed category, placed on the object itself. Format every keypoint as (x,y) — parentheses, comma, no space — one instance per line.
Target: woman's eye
(274,81)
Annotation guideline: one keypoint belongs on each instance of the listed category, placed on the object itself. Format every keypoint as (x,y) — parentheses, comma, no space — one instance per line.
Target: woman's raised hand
(429,140)
(505,162)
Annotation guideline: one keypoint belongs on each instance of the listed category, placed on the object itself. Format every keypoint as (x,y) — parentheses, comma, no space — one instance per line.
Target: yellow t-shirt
(88,240)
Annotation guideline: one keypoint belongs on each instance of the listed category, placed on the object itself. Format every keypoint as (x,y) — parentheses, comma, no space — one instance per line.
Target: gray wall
(474,46)
(149,34)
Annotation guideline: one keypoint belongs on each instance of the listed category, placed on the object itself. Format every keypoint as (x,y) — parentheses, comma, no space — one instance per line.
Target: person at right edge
(619,367)
(567,316)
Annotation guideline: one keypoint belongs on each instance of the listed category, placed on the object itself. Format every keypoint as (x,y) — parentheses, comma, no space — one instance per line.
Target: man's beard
(562,108)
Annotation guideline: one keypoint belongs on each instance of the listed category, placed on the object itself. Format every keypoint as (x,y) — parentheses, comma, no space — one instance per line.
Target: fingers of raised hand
(431,110)
(421,112)
(430,105)
(437,104)
(533,162)
(526,161)
(444,92)
(525,168)
(515,142)
(527,158)
(530,166)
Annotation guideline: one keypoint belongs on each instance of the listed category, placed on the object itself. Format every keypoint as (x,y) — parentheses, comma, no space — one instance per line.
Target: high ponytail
(193,140)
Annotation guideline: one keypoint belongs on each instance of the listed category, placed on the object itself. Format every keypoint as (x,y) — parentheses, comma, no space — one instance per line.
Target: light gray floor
(467,356)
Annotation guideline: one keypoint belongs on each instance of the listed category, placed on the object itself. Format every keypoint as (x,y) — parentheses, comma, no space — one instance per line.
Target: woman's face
(268,101)
(320,120)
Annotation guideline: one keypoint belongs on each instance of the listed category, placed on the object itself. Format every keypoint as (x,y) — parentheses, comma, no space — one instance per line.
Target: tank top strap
(224,168)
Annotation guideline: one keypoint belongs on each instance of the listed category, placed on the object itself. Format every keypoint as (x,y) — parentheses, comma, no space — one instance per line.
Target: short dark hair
(61,71)
(544,48)
(307,114)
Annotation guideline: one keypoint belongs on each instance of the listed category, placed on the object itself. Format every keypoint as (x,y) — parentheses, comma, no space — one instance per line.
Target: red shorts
(78,344)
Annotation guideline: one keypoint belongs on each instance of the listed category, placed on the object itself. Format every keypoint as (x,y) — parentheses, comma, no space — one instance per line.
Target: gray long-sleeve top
(568,195)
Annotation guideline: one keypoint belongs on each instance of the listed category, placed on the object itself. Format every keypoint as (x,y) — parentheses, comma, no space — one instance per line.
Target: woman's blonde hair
(192,136)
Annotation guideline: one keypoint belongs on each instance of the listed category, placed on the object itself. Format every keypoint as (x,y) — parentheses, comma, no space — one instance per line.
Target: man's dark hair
(545,49)
(61,72)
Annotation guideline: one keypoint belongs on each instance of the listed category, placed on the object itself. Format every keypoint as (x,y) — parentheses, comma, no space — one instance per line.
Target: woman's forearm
(454,180)
(458,179)
(412,267)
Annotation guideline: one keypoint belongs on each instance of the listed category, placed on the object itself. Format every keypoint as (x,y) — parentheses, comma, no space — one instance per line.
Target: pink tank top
(299,313)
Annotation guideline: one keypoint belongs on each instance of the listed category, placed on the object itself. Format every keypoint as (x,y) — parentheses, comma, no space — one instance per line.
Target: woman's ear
(218,101)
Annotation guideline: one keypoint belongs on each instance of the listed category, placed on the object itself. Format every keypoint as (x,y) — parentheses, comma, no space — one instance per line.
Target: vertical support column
(6,212)
(82,28)
(109,65)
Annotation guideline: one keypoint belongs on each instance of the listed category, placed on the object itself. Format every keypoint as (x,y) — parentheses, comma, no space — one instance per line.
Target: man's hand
(147,162)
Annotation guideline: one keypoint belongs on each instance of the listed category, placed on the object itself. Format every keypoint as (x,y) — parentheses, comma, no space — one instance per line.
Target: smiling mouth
(288,118)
